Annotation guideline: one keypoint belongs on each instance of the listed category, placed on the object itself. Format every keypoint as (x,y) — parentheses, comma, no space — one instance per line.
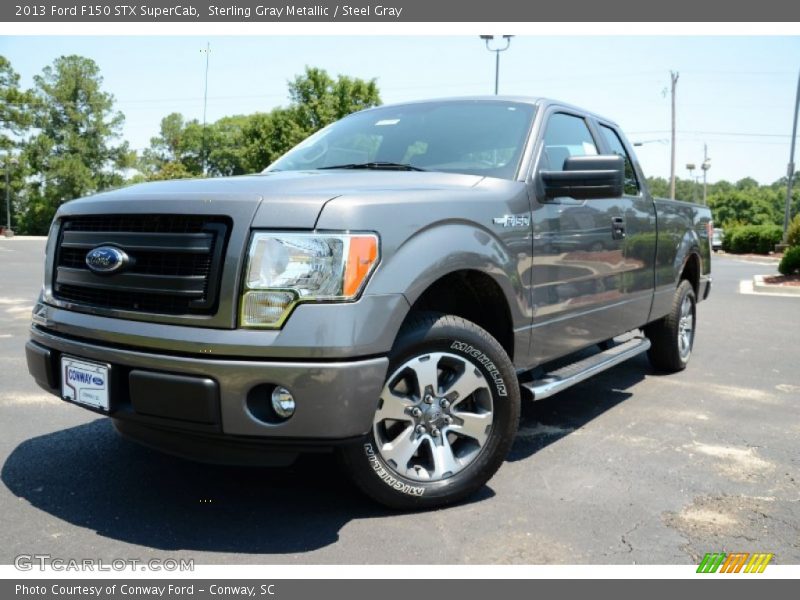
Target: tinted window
(631,186)
(477,138)
(565,136)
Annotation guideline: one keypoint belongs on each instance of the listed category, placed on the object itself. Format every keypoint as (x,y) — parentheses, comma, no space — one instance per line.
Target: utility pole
(207,52)
(706,166)
(8,194)
(787,215)
(497,51)
(673,75)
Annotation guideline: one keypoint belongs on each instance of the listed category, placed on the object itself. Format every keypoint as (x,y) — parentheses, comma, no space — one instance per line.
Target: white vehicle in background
(716,239)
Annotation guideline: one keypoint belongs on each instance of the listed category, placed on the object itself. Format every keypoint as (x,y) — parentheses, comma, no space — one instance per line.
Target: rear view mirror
(586,178)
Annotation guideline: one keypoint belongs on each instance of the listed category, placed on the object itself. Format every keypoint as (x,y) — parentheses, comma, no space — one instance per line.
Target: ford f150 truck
(391,289)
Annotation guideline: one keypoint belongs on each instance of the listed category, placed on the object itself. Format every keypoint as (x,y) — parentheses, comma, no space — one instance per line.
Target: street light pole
(691,167)
(673,75)
(488,39)
(706,166)
(790,169)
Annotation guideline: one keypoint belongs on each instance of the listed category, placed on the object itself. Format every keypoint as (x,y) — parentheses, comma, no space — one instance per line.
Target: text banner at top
(466,11)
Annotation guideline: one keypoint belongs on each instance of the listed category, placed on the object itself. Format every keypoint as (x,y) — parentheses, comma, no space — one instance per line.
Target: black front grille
(175,265)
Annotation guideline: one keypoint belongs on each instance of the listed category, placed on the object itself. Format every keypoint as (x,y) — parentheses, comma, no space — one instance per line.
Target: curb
(760,287)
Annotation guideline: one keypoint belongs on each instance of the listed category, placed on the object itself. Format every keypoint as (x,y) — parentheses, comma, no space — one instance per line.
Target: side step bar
(576,372)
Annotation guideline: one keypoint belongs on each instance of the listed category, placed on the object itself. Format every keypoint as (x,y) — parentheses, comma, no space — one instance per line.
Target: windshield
(471,137)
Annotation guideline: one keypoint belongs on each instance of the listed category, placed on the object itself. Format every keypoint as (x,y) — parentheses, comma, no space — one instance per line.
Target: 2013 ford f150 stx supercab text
(390,289)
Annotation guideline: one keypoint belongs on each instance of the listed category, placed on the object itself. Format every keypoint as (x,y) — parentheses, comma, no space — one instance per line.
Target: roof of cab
(539,102)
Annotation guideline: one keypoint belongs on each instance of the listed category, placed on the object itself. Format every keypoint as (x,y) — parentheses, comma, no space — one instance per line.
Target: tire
(672,337)
(405,467)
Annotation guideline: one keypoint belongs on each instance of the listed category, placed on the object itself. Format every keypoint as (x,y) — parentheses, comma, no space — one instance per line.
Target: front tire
(672,337)
(445,420)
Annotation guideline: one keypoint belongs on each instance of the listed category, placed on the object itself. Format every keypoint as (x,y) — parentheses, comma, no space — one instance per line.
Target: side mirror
(586,178)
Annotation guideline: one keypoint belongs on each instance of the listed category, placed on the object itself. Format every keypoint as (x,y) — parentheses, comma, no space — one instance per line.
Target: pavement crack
(624,537)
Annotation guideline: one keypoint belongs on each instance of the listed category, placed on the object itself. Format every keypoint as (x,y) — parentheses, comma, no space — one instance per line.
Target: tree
(179,142)
(269,135)
(321,100)
(16,110)
(77,149)
(227,154)
(242,144)
(658,186)
(742,207)
(16,114)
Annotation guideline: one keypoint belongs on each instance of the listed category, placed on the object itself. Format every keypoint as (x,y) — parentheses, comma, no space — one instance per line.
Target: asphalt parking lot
(629,467)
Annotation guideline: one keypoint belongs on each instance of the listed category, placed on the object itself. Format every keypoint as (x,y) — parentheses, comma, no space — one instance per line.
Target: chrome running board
(569,375)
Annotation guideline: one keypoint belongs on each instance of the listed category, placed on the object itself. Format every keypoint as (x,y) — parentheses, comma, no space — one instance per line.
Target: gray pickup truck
(391,289)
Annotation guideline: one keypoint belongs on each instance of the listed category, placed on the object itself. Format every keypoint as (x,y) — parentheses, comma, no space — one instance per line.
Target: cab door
(585,289)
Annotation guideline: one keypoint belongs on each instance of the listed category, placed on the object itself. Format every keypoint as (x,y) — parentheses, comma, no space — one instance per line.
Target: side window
(566,136)
(631,185)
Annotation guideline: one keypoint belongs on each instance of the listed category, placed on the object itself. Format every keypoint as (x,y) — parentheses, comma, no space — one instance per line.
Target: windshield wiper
(391,166)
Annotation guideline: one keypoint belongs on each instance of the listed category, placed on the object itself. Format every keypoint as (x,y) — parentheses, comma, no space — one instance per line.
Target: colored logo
(106,259)
(736,562)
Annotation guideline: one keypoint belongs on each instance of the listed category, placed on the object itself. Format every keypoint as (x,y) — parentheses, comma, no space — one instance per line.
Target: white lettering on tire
(494,372)
(389,479)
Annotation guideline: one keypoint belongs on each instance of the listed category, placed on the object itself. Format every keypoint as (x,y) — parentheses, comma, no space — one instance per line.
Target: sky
(735,94)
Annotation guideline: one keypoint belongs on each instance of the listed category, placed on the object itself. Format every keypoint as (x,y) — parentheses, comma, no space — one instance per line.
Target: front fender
(442,249)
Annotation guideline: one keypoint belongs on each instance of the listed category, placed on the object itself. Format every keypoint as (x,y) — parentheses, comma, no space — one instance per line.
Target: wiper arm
(391,166)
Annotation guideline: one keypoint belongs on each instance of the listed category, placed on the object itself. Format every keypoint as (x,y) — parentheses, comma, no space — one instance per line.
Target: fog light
(283,402)
(266,309)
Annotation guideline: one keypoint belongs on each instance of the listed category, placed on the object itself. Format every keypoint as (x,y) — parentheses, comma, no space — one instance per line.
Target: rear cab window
(631,182)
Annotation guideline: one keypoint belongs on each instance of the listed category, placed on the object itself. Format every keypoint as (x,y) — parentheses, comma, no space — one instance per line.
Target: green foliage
(269,135)
(171,170)
(248,143)
(732,204)
(793,235)
(752,239)
(15,106)
(754,206)
(178,141)
(320,100)
(76,150)
(790,263)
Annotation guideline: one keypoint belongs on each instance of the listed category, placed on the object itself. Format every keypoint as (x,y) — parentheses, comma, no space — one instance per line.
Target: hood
(291,199)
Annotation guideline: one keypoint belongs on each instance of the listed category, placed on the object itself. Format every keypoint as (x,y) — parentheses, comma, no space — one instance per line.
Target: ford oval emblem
(105,260)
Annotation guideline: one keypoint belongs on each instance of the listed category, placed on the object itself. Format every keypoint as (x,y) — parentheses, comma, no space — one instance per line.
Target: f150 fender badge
(105,260)
(513,220)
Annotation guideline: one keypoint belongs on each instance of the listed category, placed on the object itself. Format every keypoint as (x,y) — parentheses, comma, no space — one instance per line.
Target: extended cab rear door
(588,284)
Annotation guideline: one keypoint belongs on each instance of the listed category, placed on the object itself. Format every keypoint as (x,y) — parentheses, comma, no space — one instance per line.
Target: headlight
(286,268)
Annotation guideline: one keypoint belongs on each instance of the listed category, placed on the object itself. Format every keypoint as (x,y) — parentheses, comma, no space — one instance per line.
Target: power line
(729,133)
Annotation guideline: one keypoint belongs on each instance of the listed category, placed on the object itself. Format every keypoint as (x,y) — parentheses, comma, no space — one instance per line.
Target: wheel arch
(449,267)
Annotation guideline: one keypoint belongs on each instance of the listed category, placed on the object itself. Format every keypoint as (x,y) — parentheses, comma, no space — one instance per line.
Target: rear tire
(439,434)
(672,337)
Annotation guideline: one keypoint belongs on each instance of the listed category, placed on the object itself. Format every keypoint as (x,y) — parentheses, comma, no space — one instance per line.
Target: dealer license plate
(84,382)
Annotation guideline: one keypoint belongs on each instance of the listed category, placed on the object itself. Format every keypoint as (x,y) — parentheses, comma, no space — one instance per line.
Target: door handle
(617,228)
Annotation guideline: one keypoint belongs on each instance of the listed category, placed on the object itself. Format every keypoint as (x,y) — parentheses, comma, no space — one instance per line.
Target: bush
(755,239)
(794,231)
(727,239)
(790,263)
